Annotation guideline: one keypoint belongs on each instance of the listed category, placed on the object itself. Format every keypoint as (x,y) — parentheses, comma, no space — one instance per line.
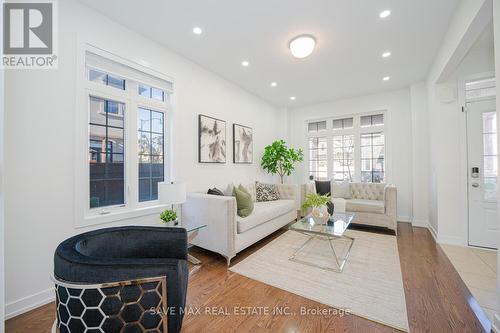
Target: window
(343,157)
(123,170)
(106,153)
(318,158)
(106,79)
(373,120)
(150,147)
(343,123)
(317,126)
(350,148)
(480,89)
(150,92)
(490,164)
(372,157)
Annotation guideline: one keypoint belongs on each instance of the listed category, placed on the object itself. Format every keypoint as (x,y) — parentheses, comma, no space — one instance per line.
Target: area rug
(370,285)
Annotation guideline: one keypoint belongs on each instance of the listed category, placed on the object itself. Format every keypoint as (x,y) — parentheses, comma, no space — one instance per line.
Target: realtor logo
(29,35)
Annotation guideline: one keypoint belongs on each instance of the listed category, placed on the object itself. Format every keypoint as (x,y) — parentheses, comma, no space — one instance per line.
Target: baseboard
(406,219)
(420,223)
(451,240)
(29,303)
(433,231)
(495,325)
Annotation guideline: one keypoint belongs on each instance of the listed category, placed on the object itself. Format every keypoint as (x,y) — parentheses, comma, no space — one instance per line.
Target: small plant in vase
(317,202)
(169,217)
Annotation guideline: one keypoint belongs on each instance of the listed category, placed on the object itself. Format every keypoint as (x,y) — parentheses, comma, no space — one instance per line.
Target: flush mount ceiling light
(292,98)
(245,63)
(273,84)
(386,78)
(302,46)
(385,13)
(197,31)
(386,54)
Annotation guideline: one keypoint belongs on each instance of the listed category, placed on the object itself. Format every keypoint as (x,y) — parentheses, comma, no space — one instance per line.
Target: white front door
(482,173)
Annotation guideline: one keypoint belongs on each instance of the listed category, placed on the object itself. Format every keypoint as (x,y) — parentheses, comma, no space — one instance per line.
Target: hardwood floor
(436,298)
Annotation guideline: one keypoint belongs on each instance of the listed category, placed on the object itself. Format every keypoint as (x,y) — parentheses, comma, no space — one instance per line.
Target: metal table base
(339,262)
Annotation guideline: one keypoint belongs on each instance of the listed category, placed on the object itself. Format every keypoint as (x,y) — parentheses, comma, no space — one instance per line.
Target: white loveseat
(227,233)
(373,204)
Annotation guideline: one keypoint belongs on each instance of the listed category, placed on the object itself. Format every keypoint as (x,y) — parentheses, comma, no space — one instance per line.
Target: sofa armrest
(391,202)
(289,192)
(219,214)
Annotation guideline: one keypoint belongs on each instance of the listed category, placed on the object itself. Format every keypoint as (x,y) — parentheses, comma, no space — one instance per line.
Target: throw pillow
(266,192)
(341,189)
(323,187)
(215,191)
(244,203)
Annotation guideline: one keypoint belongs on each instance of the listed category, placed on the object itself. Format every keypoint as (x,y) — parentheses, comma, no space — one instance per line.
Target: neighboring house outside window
(123,170)
(350,149)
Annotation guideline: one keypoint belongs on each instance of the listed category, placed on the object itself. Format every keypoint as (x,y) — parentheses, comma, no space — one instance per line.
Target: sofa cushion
(250,188)
(266,192)
(215,191)
(264,212)
(368,191)
(244,201)
(323,187)
(341,189)
(365,206)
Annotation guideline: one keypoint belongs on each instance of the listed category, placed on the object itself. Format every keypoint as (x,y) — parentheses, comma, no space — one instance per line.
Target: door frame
(463,140)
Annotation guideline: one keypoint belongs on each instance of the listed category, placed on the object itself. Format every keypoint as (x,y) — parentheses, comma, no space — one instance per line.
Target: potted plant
(169,217)
(317,202)
(279,159)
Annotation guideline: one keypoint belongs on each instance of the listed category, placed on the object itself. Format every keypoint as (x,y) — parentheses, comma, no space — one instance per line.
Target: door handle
(475,185)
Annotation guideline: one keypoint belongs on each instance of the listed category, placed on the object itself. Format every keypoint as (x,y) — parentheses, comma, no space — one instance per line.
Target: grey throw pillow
(266,192)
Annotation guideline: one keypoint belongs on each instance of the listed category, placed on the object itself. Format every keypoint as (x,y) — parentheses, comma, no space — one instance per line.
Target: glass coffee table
(331,232)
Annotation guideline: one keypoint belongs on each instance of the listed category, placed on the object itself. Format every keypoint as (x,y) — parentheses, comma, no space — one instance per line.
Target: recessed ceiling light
(384,13)
(197,30)
(386,54)
(273,84)
(386,78)
(245,63)
(292,98)
(302,46)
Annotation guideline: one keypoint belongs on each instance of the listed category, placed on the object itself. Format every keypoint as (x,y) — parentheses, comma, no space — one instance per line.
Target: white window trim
(84,216)
(356,130)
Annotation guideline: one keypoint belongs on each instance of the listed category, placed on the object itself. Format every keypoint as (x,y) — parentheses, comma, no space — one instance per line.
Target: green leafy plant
(315,200)
(168,215)
(279,159)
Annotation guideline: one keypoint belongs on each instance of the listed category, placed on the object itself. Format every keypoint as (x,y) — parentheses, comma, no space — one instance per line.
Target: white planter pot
(320,215)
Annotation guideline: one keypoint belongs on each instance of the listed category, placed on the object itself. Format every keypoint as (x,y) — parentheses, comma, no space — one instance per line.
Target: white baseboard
(433,231)
(420,223)
(29,303)
(451,240)
(404,219)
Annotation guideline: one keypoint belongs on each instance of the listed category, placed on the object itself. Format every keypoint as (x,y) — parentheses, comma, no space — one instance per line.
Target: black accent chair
(111,278)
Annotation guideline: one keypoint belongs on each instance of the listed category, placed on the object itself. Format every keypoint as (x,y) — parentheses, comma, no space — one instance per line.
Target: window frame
(356,130)
(132,207)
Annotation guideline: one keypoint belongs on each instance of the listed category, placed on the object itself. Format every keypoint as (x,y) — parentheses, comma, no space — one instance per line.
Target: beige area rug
(370,285)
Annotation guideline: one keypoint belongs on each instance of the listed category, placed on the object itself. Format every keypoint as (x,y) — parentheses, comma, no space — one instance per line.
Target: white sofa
(373,204)
(227,233)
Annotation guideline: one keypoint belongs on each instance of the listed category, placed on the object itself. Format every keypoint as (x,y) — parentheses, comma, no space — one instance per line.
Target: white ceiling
(347,60)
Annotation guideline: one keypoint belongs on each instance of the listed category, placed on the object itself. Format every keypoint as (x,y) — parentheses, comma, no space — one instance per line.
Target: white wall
(420,152)
(398,132)
(2,193)
(40,113)
(496,34)
(455,60)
